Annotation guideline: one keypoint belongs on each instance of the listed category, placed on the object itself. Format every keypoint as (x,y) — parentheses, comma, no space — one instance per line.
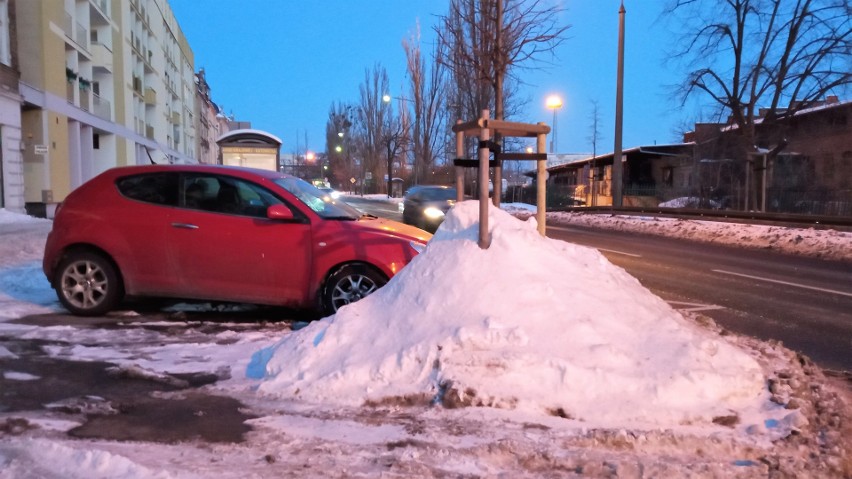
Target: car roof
(195,168)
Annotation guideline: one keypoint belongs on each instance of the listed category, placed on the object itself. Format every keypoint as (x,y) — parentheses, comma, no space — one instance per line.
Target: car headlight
(433,213)
(335,194)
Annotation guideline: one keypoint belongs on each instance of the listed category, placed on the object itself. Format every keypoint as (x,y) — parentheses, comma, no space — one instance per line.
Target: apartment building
(104,83)
(211,123)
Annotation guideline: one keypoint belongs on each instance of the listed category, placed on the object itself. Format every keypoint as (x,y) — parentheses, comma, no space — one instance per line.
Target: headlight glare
(433,213)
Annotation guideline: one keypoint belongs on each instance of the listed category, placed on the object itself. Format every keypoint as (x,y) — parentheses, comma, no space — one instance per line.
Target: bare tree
(430,125)
(766,59)
(594,137)
(482,40)
(378,133)
(372,120)
(395,139)
(338,145)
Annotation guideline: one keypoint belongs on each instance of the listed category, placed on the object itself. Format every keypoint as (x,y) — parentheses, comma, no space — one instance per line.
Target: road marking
(787,283)
(619,252)
(694,307)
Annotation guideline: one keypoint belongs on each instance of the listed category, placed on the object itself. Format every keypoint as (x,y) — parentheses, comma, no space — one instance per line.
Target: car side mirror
(279,212)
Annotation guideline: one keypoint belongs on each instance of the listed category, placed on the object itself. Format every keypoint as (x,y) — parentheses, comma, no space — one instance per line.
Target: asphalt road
(382,209)
(804,303)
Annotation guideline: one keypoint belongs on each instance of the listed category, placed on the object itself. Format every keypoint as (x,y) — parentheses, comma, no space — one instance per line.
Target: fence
(825,203)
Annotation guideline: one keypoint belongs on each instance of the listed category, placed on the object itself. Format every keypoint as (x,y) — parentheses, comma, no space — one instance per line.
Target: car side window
(227,195)
(156,188)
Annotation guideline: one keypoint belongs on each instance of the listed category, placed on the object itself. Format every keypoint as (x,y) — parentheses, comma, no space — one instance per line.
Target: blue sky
(280,64)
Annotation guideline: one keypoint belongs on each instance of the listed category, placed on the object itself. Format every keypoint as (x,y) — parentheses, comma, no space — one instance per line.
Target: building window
(96,141)
(5,49)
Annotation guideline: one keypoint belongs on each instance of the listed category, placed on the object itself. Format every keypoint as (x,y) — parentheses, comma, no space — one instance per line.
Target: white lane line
(694,307)
(787,283)
(619,252)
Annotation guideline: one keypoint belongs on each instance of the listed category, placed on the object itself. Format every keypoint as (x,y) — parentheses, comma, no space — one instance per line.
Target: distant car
(425,206)
(331,192)
(217,233)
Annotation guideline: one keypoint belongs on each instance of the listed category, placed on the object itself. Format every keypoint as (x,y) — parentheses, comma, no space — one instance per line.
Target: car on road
(217,233)
(331,192)
(425,206)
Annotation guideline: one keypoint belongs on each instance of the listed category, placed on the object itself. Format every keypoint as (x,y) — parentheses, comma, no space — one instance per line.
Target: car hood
(395,228)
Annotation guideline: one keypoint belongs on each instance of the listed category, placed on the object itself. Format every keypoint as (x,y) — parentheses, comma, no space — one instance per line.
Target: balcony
(68,25)
(150,96)
(84,99)
(102,5)
(101,58)
(101,108)
(82,37)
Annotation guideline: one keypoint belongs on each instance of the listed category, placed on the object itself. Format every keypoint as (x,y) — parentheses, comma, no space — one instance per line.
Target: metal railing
(68,26)
(82,36)
(805,202)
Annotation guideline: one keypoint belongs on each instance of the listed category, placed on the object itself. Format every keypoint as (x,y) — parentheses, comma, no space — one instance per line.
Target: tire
(349,284)
(87,284)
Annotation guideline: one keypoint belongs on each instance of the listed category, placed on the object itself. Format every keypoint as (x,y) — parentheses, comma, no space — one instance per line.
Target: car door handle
(186,226)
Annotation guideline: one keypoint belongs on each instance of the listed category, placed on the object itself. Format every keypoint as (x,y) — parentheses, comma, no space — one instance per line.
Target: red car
(217,233)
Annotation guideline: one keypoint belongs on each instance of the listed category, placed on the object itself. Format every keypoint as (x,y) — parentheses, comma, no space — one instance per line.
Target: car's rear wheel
(87,284)
(350,284)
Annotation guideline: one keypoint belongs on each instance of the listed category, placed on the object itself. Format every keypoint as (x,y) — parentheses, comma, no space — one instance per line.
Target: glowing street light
(553,102)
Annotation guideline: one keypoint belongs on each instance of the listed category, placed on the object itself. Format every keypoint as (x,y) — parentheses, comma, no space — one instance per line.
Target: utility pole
(619,114)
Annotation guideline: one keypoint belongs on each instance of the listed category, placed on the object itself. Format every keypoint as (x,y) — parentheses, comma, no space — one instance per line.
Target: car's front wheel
(87,284)
(349,284)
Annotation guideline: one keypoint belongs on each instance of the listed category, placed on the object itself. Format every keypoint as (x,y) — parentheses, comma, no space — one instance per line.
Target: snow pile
(38,458)
(457,327)
(30,236)
(828,244)
(690,202)
(23,287)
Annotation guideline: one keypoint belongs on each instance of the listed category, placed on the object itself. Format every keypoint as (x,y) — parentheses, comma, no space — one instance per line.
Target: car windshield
(322,203)
(438,194)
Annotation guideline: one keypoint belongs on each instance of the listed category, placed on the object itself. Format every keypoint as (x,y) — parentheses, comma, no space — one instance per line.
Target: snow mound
(578,337)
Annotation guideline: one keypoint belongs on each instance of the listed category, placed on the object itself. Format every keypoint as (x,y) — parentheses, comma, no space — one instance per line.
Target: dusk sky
(281,64)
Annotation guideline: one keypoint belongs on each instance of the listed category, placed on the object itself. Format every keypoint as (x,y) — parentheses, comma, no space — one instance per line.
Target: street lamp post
(553,102)
(387,99)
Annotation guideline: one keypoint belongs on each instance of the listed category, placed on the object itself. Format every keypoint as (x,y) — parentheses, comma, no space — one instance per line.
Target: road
(804,303)
(382,209)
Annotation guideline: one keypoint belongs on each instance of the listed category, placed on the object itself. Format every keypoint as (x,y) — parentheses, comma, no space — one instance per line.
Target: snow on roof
(813,109)
(248,131)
